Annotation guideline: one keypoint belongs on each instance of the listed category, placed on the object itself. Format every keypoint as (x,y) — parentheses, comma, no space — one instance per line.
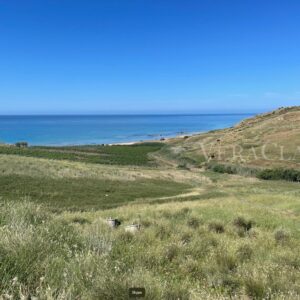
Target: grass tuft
(193,222)
(242,223)
(281,236)
(216,226)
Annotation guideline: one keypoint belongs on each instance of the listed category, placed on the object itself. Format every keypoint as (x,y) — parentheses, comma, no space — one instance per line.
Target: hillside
(203,235)
(267,140)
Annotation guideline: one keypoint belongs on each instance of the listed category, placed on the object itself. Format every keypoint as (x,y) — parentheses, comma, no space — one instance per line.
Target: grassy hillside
(264,141)
(204,235)
(242,243)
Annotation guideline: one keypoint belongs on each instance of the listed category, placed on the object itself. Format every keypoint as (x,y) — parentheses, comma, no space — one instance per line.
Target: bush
(242,223)
(280,174)
(232,169)
(223,169)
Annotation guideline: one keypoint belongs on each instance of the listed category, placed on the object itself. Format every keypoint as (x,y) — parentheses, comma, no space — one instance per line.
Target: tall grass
(176,255)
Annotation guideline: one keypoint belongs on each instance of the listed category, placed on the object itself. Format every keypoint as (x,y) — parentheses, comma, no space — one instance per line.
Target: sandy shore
(162,139)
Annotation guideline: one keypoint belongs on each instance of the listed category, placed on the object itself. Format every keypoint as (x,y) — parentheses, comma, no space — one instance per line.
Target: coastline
(162,139)
(54,131)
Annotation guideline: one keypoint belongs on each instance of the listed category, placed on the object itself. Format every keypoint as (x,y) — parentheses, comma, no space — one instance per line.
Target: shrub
(280,174)
(223,169)
(232,169)
(242,223)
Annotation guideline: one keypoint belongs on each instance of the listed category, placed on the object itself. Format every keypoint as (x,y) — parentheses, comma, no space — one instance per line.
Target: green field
(204,234)
(84,193)
(136,154)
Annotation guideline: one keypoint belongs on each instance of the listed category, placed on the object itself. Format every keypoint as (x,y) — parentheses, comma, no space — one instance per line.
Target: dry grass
(39,167)
(269,140)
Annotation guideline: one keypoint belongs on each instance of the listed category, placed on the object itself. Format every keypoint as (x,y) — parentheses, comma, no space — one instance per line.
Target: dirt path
(192,192)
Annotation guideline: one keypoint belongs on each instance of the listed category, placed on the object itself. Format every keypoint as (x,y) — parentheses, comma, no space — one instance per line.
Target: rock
(133,228)
(113,223)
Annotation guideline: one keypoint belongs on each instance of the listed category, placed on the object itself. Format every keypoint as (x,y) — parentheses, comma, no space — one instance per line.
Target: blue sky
(64,56)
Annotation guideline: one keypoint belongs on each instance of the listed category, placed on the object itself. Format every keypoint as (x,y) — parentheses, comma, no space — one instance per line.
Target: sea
(108,129)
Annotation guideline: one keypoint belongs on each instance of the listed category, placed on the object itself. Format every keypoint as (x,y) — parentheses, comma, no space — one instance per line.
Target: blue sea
(104,129)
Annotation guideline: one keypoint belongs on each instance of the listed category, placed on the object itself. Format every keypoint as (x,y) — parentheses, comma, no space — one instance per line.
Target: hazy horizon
(132,114)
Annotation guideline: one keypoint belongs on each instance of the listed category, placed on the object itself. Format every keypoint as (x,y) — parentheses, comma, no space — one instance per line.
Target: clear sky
(69,56)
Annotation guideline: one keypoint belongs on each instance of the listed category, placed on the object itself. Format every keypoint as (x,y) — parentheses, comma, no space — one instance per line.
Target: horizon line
(125,114)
